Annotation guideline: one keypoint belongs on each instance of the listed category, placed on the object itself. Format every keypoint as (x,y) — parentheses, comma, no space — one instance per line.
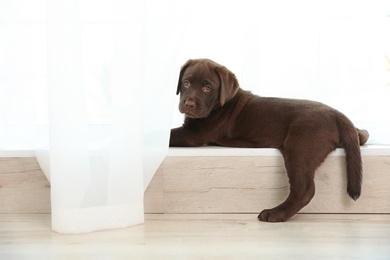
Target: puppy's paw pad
(270,215)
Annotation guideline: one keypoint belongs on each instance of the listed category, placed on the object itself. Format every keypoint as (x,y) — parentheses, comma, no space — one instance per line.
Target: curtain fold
(95,186)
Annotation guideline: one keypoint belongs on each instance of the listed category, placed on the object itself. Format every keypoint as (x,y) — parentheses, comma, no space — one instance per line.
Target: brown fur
(219,112)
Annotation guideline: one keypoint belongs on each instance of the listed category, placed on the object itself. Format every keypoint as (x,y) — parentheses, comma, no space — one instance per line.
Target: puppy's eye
(207,88)
(186,83)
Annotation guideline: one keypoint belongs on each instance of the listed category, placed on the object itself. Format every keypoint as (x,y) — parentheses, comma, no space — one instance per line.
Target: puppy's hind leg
(301,161)
(302,190)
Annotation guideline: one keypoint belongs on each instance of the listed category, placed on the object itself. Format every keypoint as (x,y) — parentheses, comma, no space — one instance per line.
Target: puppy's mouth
(193,113)
(195,116)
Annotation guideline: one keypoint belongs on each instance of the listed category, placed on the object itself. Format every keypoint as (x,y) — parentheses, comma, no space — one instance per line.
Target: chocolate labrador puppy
(217,111)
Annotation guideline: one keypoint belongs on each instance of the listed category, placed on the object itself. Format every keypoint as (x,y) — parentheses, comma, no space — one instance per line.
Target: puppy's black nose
(190,104)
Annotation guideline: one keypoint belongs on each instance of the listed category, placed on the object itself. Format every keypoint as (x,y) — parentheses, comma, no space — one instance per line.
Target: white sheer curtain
(102,76)
(97,187)
(104,72)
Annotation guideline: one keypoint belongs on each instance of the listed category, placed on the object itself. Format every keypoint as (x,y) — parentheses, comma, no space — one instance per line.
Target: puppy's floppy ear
(182,70)
(229,84)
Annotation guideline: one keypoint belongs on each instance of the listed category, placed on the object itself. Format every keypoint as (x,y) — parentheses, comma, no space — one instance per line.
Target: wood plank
(250,184)
(23,186)
(203,236)
(222,184)
(212,184)
(331,186)
(154,194)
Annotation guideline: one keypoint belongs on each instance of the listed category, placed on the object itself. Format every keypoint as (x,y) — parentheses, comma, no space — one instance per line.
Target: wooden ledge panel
(24,188)
(227,184)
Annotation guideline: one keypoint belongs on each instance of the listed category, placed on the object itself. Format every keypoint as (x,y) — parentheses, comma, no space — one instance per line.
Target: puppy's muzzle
(192,108)
(190,104)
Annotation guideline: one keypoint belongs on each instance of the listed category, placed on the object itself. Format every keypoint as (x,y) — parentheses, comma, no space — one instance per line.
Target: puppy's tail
(351,138)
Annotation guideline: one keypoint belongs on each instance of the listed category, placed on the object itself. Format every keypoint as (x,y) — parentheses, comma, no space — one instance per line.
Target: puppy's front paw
(272,215)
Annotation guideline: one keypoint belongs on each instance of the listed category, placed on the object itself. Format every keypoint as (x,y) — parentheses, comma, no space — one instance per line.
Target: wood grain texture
(23,187)
(154,194)
(250,184)
(203,236)
(212,184)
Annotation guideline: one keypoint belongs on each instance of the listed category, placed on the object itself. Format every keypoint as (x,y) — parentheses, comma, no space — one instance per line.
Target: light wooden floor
(203,236)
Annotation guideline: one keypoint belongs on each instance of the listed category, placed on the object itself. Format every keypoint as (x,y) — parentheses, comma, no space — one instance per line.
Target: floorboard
(204,236)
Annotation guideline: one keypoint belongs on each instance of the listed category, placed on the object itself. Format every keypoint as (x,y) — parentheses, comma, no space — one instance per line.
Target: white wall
(329,51)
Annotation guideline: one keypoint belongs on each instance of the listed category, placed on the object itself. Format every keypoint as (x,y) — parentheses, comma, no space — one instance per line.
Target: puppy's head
(204,85)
